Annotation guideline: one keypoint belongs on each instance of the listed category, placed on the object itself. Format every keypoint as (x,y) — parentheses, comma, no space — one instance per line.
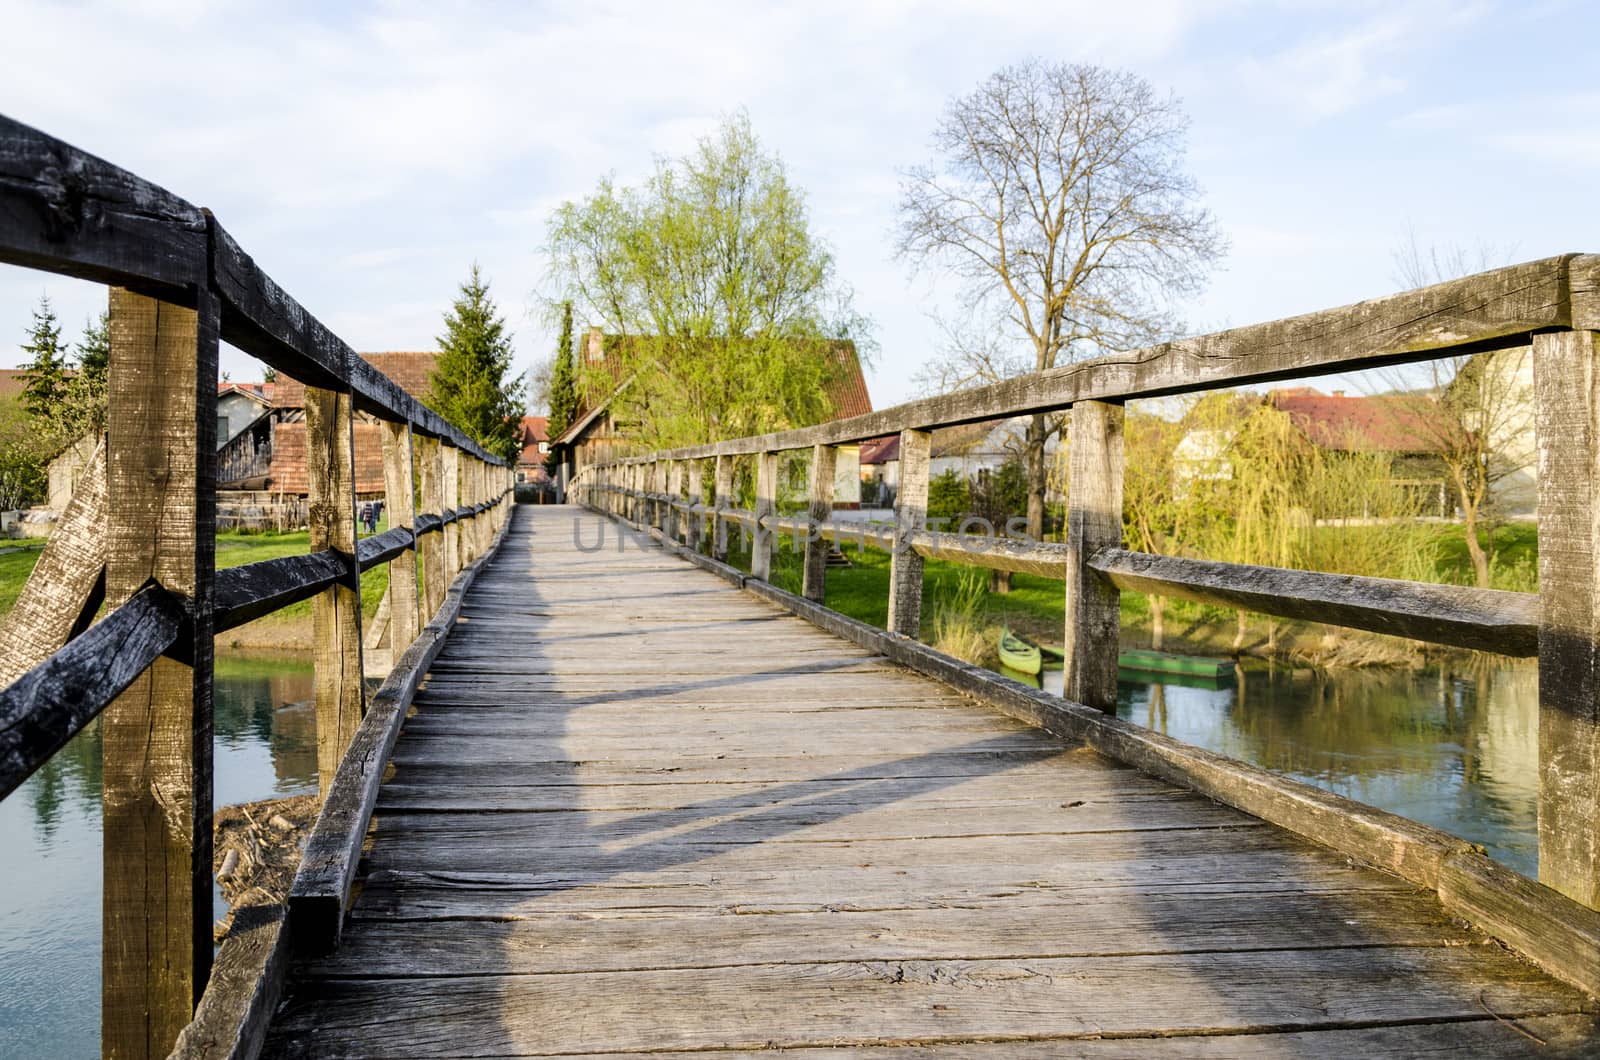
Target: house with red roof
(596,436)
(535,450)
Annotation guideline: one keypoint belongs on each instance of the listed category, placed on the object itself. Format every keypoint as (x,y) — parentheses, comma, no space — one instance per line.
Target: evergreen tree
(563,382)
(45,389)
(471,385)
(86,394)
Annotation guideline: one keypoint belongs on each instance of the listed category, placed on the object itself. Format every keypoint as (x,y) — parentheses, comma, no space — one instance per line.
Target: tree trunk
(1480,561)
(1034,451)
(1158,624)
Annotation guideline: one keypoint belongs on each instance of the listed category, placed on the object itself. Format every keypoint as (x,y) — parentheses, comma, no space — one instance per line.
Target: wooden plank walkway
(638,811)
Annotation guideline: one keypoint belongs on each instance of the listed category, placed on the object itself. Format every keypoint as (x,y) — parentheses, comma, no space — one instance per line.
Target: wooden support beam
(1094,522)
(675,521)
(157,780)
(697,494)
(430,460)
(824,462)
(910,516)
(450,486)
(722,500)
(336,611)
(67,584)
(766,505)
(399,491)
(1566,368)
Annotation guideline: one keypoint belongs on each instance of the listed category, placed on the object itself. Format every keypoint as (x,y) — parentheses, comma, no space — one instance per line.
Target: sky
(368,154)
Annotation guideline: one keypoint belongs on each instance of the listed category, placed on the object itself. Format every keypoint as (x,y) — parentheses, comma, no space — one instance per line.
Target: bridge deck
(638,811)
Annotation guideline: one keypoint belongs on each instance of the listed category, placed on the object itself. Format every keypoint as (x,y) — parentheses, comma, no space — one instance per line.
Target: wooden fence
(139,540)
(1552,305)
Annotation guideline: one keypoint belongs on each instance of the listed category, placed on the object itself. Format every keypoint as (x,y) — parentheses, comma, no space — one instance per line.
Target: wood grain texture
(722,499)
(910,516)
(400,491)
(321,887)
(1491,310)
(336,611)
(1463,617)
(1094,522)
(824,462)
(246,981)
(742,832)
(67,584)
(248,592)
(1566,368)
(696,482)
(430,489)
(157,745)
(45,707)
(766,505)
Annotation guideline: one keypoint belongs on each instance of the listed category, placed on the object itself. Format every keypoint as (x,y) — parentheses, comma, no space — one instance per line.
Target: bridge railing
(139,540)
(1552,305)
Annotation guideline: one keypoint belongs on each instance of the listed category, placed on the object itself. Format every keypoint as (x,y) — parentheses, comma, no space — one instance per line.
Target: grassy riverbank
(958,616)
(285,630)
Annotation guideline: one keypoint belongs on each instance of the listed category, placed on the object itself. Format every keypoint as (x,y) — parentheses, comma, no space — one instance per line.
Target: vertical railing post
(157,780)
(910,516)
(451,485)
(675,491)
(658,486)
(721,500)
(1566,373)
(697,493)
(766,505)
(399,493)
(336,611)
(1094,522)
(824,463)
(431,456)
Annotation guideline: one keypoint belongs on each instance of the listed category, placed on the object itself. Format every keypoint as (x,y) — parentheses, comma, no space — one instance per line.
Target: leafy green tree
(471,385)
(948,498)
(563,382)
(723,299)
(88,390)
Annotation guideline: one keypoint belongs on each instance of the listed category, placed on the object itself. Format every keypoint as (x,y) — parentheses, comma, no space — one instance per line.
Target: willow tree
(1060,200)
(719,303)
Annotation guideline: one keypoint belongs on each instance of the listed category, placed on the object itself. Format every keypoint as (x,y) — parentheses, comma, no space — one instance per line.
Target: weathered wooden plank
(722,488)
(864,1002)
(336,611)
(529,942)
(910,516)
(450,487)
(246,982)
(1566,368)
(66,585)
(1501,308)
(1541,1037)
(321,887)
(1094,522)
(824,461)
(1463,617)
(430,490)
(68,212)
(400,491)
(156,786)
(384,547)
(766,505)
(45,707)
(250,591)
(695,538)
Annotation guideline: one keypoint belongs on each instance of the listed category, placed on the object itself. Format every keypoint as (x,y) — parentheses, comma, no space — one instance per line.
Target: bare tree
(1477,414)
(1060,200)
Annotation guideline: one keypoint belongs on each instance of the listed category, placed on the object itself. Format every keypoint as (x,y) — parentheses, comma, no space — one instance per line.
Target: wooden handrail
(181,285)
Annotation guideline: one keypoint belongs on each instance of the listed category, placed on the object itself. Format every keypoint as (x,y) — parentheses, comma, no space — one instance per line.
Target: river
(1457,750)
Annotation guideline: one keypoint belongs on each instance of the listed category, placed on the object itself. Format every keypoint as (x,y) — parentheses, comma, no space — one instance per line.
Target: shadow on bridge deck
(638,811)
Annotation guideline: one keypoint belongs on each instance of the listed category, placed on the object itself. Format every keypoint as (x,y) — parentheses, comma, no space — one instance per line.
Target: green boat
(1019,653)
(1160,662)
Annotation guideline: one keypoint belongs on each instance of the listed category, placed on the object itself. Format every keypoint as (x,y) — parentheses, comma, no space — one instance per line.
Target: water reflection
(50,829)
(1455,749)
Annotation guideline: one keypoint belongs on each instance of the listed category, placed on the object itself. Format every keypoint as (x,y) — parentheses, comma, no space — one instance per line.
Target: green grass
(234,549)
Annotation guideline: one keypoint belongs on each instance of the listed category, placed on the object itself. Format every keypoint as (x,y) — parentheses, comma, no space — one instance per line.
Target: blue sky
(367,155)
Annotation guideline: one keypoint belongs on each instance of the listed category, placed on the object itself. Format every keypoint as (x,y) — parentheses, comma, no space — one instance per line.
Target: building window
(522,476)
(544,447)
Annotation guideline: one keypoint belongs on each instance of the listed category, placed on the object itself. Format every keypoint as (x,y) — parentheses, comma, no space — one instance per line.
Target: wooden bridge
(620,797)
